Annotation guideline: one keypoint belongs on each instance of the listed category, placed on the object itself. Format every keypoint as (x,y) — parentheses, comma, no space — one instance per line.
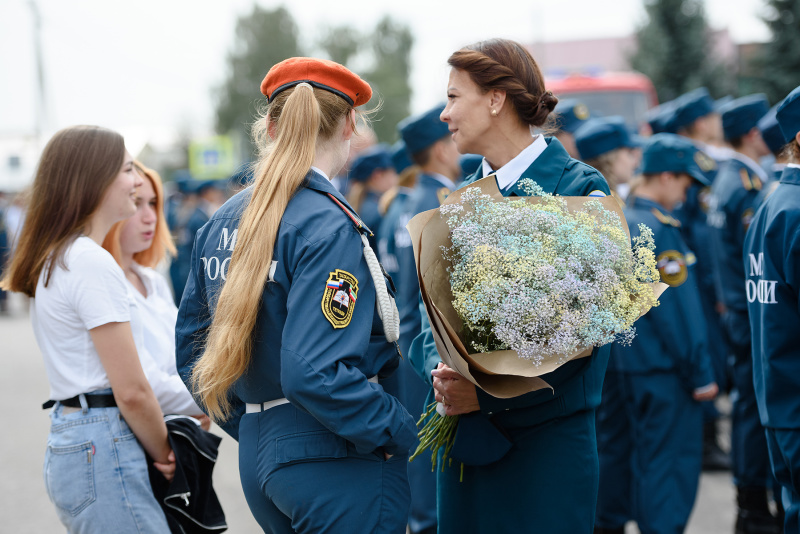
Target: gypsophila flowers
(541,280)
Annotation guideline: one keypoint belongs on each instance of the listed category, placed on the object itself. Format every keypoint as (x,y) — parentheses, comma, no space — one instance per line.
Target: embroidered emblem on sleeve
(442,194)
(672,266)
(339,299)
(596,194)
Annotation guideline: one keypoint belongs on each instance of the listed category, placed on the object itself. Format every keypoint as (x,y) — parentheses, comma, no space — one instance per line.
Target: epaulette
(665,219)
(749,182)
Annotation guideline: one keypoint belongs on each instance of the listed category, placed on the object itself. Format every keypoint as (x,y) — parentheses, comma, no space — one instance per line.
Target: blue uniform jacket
(671,336)
(772,286)
(387,234)
(577,384)
(297,352)
(424,197)
(733,203)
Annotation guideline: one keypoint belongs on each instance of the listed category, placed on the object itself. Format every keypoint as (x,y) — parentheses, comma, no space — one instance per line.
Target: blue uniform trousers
(552,466)
(667,450)
(749,455)
(297,476)
(784,455)
(614,449)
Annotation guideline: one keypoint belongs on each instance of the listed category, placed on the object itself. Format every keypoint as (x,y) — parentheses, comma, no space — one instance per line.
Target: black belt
(92,401)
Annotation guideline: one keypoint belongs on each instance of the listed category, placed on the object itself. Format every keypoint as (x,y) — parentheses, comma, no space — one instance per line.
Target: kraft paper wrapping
(501,373)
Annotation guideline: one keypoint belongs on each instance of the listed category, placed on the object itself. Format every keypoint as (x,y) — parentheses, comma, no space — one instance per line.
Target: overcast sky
(146,68)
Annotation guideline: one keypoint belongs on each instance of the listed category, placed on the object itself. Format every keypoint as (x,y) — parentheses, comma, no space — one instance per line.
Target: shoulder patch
(442,194)
(672,266)
(596,193)
(339,299)
(663,218)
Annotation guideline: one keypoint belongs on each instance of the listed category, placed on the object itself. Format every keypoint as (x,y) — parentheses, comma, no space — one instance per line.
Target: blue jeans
(95,472)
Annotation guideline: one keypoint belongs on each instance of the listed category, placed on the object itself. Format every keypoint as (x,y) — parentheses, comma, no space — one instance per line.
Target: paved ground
(24,505)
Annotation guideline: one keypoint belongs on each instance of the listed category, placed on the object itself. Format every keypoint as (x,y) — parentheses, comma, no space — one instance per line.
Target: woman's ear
(349,125)
(272,129)
(497,99)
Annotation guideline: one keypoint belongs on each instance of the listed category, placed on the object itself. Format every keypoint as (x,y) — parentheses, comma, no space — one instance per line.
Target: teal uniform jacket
(772,270)
(531,461)
(772,286)
(556,173)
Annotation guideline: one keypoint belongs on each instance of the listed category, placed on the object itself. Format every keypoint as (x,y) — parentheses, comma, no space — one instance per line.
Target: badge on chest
(339,298)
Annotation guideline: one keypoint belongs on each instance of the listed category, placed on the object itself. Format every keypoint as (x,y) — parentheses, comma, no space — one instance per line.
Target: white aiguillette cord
(387,308)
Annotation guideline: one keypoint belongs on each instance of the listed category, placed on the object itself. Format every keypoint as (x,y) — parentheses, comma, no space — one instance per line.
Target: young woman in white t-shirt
(138,244)
(105,415)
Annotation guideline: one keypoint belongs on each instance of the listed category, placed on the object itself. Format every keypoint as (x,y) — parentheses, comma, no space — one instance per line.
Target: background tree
(391,44)
(778,64)
(674,51)
(263,38)
(341,43)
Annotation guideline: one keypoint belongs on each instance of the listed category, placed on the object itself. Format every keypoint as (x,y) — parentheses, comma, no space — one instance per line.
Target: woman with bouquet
(546,478)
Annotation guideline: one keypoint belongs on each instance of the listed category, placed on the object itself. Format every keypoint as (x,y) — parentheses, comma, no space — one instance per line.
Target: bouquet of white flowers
(516,287)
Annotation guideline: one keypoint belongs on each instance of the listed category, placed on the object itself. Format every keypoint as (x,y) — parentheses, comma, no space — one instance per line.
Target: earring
(494,113)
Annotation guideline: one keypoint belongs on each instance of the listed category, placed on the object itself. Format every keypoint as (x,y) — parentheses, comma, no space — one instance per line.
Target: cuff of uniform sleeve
(703,377)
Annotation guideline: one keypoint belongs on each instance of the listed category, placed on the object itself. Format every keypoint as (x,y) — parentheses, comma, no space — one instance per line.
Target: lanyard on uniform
(387,308)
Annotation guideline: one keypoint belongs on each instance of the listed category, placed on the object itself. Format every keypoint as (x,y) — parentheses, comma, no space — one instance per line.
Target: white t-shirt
(153,325)
(90,292)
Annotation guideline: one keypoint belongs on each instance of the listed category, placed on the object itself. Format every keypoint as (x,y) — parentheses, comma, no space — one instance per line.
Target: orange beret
(319,73)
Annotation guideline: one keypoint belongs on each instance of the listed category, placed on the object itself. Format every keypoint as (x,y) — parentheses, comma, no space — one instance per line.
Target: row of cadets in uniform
(432,150)
(371,175)
(733,202)
(772,289)
(650,420)
(695,116)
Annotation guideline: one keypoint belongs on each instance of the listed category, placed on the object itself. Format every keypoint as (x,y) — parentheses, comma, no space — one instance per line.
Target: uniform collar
(752,165)
(546,170)
(508,174)
(791,174)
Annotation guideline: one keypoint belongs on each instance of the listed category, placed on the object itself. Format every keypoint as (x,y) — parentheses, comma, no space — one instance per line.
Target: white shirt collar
(793,165)
(319,171)
(755,167)
(508,174)
(444,180)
